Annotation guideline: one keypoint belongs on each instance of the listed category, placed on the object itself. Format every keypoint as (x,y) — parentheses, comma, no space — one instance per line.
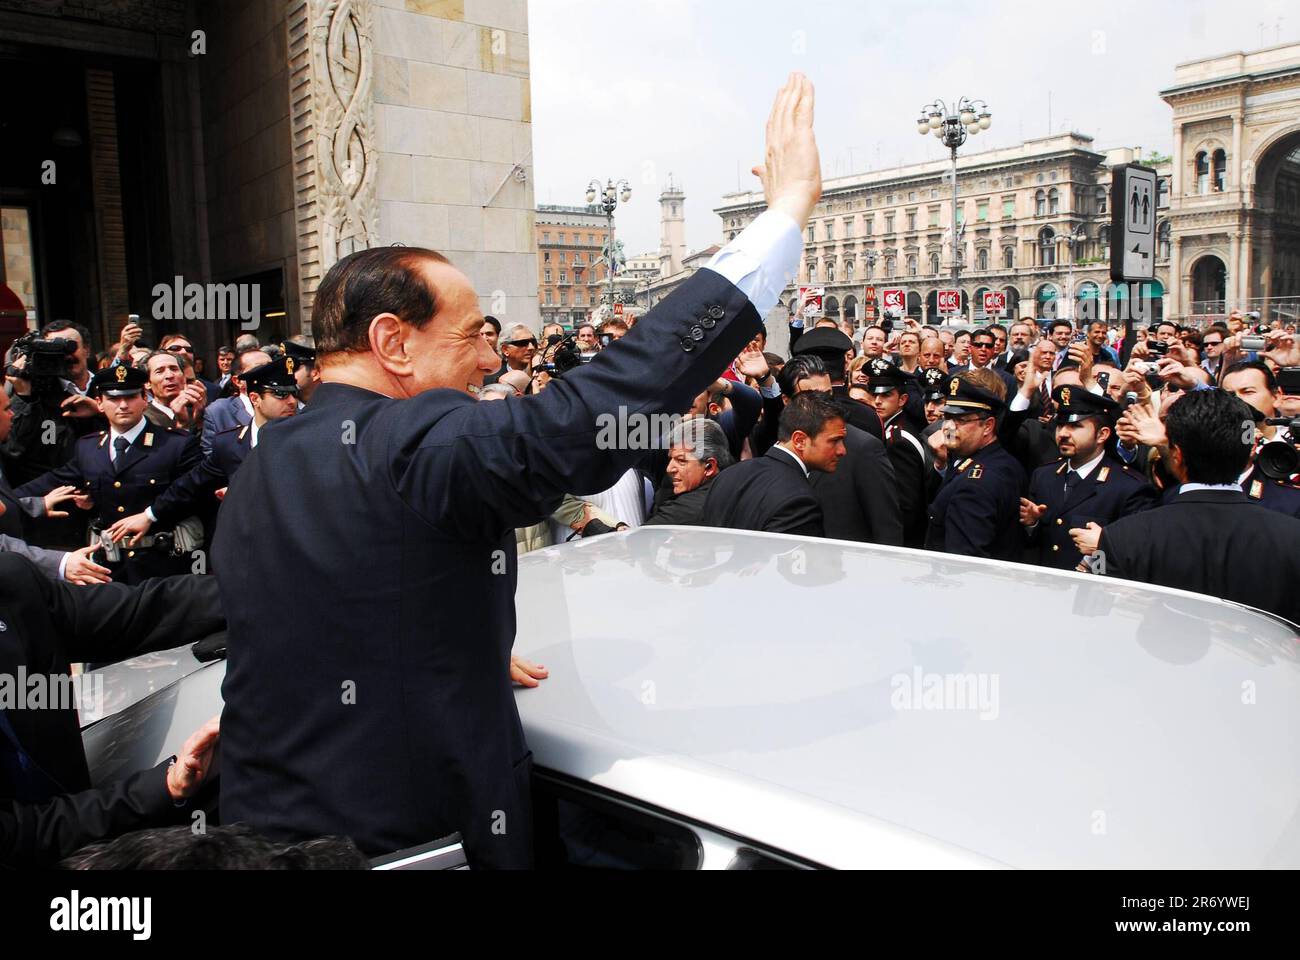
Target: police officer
(301,350)
(1089,485)
(888,386)
(975,512)
(273,392)
(123,469)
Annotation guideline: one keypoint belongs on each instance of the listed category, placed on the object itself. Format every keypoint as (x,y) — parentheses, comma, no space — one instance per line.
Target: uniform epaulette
(243,430)
(1103,474)
(1061,469)
(103,438)
(1256,489)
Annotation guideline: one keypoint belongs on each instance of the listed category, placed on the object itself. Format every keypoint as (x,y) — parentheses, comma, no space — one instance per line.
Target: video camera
(565,357)
(45,363)
(1280,461)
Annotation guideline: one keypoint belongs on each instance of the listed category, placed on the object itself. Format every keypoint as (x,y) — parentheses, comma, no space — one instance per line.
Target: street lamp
(951,126)
(1073,238)
(610,196)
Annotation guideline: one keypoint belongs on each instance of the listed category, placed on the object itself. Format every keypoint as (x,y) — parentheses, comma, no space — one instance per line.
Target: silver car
(729,700)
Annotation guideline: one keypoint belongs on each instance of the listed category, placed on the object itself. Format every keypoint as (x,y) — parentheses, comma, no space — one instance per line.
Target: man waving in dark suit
(772,492)
(1211,538)
(381,706)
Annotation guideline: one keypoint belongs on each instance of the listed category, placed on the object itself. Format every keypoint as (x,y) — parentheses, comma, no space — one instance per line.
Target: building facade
(1236,184)
(250,144)
(571,271)
(1033,219)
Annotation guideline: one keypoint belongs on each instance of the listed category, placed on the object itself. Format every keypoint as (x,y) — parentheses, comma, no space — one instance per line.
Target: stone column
(1233,288)
(1175,276)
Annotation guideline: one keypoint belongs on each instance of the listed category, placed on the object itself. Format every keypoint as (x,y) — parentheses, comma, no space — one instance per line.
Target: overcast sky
(642,89)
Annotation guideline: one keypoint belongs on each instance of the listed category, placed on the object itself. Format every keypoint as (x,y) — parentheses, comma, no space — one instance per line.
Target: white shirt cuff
(762,260)
(1019,402)
(148,512)
(63,566)
(772,392)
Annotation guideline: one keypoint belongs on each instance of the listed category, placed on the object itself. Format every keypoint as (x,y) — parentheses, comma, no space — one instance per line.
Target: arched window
(982,259)
(1103,197)
(911,265)
(1202,173)
(890,265)
(812,272)
(934,264)
(1054,201)
(1220,171)
(1040,204)
(830,271)
(848,271)
(1103,240)
(1163,238)
(1047,247)
(1008,258)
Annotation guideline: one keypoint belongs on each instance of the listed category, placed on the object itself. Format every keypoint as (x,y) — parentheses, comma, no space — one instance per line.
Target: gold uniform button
(117,484)
(130,553)
(1059,522)
(152,482)
(1055,548)
(121,509)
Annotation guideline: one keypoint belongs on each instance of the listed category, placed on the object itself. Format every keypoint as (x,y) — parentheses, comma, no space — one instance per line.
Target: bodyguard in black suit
(1089,485)
(976,511)
(832,347)
(772,492)
(124,469)
(48,808)
(1211,538)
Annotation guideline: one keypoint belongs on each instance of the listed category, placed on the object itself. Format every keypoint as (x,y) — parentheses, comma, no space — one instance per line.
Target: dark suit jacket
(859,500)
(767,493)
(220,416)
(48,625)
(195,491)
(1215,542)
(916,480)
(1111,491)
(366,551)
(686,509)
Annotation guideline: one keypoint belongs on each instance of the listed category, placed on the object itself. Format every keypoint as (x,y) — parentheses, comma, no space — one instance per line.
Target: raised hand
(752,363)
(1030,512)
(791,170)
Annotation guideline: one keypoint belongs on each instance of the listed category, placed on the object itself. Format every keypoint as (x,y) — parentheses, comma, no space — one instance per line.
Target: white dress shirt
(762,259)
(130,438)
(786,450)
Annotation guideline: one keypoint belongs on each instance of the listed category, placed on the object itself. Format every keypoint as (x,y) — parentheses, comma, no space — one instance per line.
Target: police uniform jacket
(121,489)
(1109,492)
(366,551)
(51,810)
(977,510)
(196,489)
(916,481)
(1276,495)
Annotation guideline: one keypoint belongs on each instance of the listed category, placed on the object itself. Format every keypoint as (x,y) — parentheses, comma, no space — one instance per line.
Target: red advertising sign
(810,302)
(871,295)
(949,301)
(995,303)
(868,313)
(894,300)
(618,309)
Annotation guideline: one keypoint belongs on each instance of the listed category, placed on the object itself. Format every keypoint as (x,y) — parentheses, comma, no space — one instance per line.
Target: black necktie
(121,445)
(1071,481)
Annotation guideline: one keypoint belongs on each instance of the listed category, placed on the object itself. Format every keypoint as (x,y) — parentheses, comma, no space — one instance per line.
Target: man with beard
(1090,487)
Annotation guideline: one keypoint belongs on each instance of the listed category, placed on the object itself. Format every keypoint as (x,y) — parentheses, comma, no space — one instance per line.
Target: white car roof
(758,683)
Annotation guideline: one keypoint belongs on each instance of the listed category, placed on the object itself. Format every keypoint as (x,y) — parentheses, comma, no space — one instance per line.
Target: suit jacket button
(708,323)
(697,334)
(121,509)
(688,344)
(716,312)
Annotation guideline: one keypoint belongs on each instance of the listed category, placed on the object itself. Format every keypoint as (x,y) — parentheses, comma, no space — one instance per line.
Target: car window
(576,829)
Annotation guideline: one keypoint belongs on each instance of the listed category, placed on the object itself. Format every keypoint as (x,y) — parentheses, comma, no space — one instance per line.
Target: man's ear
(711,467)
(388,343)
(1176,464)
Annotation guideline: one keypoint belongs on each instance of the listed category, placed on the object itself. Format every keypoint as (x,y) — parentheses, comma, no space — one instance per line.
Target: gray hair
(497,391)
(705,440)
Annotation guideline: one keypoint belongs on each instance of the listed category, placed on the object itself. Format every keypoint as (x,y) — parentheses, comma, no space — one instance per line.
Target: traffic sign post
(1133,212)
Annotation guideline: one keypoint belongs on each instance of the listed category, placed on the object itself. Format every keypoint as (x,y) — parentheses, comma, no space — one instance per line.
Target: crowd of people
(364,498)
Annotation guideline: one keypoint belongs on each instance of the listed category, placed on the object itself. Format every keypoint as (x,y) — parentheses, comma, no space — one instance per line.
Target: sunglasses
(521,343)
(180,348)
(981,346)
